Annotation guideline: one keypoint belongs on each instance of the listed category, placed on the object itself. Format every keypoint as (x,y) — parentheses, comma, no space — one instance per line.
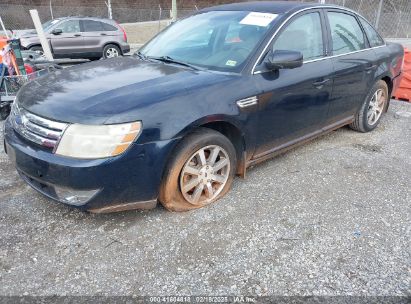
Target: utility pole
(42,36)
(377,21)
(173,10)
(159,18)
(110,13)
(51,11)
(4,28)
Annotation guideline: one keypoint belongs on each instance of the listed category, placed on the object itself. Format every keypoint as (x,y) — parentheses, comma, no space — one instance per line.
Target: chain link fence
(17,16)
(391,17)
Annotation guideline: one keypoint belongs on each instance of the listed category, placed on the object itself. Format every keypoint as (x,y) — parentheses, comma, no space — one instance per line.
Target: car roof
(276,7)
(84,17)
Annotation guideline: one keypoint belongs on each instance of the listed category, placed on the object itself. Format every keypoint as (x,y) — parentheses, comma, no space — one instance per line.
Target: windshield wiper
(140,55)
(169,59)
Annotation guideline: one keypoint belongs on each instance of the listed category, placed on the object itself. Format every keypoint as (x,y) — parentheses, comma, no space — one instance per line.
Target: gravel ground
(329,218)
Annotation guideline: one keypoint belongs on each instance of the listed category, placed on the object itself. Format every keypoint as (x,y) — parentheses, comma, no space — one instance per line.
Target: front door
(294,103)
(70,41)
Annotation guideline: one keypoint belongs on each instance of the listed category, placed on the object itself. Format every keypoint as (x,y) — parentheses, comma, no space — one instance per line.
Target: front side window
(218,40)
(347,35)
(70,26)
(50,23)
(373,37)
(304,35)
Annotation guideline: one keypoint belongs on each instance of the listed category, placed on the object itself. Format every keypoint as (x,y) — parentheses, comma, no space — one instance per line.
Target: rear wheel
(369,116)
(111,51)
(200,172)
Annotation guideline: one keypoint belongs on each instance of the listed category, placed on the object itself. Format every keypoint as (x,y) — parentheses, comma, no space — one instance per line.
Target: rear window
(347,35)
(93,26)
(373,37)
(108,27)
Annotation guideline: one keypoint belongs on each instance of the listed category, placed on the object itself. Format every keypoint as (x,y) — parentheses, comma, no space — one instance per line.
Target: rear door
(95,35)
(354,65)
(70,42)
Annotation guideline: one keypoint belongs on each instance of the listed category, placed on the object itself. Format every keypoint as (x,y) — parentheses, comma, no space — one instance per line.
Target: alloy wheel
(111,52)
(376,107)
(205,174)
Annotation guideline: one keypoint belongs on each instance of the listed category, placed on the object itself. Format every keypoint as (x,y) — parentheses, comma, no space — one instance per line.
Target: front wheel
(200,172)
(369,116)
(111,51)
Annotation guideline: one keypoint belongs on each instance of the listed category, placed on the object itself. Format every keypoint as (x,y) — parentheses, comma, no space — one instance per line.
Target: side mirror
(282,59)
(57,31)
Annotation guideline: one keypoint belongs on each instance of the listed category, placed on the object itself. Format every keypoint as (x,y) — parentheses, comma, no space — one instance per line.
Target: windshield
(217,40)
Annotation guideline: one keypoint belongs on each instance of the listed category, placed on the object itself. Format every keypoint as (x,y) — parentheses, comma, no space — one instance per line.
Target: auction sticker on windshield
(231,63)
(259,19)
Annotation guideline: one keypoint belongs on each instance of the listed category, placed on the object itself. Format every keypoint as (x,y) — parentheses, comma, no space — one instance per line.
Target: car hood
(27,35)
(106,91)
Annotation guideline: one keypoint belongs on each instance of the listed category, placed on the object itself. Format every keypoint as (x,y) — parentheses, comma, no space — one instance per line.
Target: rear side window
(373,37)
(347,35)
(108,27)
(304,35)
(93,26)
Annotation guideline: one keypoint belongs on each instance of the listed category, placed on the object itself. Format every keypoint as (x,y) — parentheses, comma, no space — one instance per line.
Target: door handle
(77,35)
(103,34)
(320,83)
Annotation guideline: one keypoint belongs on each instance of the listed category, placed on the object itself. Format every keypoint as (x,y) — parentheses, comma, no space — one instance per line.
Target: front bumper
(128,181)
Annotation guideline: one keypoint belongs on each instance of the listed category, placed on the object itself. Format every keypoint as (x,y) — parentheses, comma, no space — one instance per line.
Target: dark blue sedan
(210,96)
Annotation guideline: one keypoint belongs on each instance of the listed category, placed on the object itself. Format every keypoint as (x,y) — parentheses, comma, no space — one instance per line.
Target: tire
(186,159)
(36,48)
(364,120)
(111,51)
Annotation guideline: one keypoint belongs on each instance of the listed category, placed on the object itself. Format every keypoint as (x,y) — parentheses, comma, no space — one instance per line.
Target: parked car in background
(208,97)
(80,37)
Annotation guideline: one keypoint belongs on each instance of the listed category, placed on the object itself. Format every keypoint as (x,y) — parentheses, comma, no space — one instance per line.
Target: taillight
(124,32)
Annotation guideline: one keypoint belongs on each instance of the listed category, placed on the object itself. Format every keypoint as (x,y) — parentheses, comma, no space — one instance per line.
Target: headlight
(87,141)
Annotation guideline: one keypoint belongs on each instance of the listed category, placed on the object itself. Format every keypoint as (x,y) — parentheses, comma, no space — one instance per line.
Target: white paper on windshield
(259,19)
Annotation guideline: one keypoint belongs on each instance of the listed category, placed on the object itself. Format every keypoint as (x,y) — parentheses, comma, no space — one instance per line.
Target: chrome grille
(34,128)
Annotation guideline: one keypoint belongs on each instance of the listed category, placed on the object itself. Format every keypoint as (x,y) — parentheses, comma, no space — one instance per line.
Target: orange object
(14,62)
(3,43)
(404,89)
